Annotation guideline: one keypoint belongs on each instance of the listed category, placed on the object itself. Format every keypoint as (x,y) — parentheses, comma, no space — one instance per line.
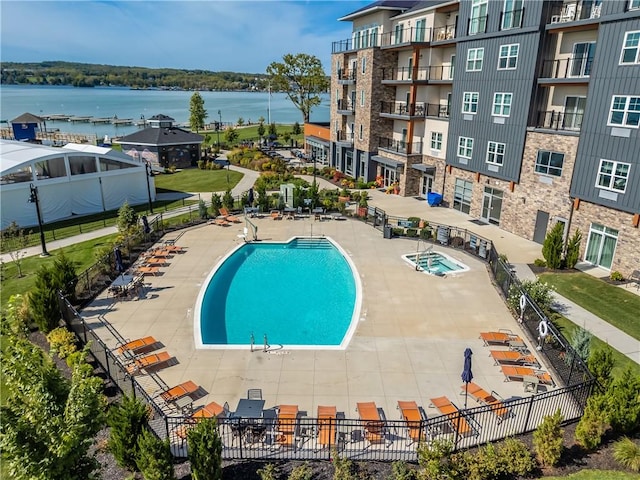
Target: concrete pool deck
(409,340)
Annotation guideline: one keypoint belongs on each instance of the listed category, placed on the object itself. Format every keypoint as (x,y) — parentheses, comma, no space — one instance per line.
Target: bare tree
(17,241)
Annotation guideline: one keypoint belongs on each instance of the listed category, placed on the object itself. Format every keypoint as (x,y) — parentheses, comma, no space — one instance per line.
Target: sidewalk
(519,251)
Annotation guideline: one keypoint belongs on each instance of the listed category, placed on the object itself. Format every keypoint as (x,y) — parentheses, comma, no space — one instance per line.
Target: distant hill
(93,75)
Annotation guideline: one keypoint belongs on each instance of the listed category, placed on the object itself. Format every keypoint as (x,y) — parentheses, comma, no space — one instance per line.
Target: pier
(61,117)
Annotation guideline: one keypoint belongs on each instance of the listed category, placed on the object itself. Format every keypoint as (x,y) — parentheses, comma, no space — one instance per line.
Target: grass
(597,475)
(251,133)
(612,304)
(196,180)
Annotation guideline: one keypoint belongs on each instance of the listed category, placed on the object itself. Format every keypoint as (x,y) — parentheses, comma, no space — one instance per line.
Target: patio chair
(227,216)
(326,426)
(254,394)
(508,357)
(480,395)
(137,346)
(174,248)
(501,337)
(276,215)
(286,425)
(179,391)
(457,421)
(155,262)
(373,423)
(221,221)
(144,270)
(148,361)
(413,415)
(518,373)
(208,411)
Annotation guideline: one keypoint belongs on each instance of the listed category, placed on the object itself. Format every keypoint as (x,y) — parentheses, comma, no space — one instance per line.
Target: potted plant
(362,205)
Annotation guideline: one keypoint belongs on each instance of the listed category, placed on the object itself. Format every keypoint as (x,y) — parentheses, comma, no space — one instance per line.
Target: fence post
(526,420)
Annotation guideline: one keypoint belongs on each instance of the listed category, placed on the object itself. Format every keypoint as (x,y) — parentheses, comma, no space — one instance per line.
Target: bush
(426,233)
(573,249)
(415,221)
(64,275)
(227,200)
(517,458)
(616,276)
(547,439)
(62,342)
(623,404)
(539,262)
(539,292)
(343,468)
(593,425)
(401,471)
(202,209)
(205,450)
(437,461)
(43,300)
(127,421)
(552,246)
(397,231)
(216,203)
(627,453)
(580,340)
(269,472)
(127,218)
(412,232)
(301,472)
(154,458)
(600,365)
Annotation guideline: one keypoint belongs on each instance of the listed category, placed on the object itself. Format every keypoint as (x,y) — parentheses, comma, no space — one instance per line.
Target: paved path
(519,251)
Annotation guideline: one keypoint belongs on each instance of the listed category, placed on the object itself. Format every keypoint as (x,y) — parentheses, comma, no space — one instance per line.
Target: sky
(216,35)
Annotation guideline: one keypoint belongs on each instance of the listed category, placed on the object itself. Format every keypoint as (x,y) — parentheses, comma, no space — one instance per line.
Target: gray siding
(520,82)
(495,9)
(608,78)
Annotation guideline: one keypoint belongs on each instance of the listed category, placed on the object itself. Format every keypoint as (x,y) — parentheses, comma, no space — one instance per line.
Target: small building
(163,145)
(317,141)
(26,126)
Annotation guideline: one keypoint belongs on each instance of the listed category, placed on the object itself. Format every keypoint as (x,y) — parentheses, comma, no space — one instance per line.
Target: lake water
(107,102)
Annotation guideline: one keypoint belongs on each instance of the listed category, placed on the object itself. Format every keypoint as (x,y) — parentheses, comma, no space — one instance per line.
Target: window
(613,175)
(512,14)
(373,37)
(502,104)
(19,175)
(625,110)
(356,40)
(52,168)
(478,21)
(465,147)
(470,102)
(549,163)
(398,34)
(420,30)
(82,164)
(362,98)
(582,59)
(634,4)
(508,56)
(495,153)
(474,59)
(462,193)
(360,135)
(631,49)
(436,141)
(107,164)
(364,65)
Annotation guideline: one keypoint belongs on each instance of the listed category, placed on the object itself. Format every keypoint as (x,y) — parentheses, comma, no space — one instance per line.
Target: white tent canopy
(73,180)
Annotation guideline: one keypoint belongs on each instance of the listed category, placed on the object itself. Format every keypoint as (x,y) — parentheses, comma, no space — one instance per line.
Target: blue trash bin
(434,199)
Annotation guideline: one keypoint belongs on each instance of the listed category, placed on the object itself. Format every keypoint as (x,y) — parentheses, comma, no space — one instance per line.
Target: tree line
(94,75)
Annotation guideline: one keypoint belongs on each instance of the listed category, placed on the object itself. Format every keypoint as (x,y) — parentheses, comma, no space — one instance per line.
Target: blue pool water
(435,263)
(300,293)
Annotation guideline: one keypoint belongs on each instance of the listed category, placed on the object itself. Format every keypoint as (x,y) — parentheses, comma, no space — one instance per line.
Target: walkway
(519,251)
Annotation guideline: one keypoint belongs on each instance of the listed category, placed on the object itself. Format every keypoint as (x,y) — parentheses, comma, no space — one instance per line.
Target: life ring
(523,302)
(543,329)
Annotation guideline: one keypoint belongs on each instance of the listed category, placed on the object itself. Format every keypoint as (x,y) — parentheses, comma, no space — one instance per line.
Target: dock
(95,120)
(122,121)
(79,119)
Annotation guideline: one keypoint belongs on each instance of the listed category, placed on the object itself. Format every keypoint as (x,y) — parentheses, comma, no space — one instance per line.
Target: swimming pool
(304,293)
(434,263)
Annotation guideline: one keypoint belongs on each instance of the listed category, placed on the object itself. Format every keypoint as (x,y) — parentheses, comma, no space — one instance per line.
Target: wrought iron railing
(559,120)
(399,146)
(574,67)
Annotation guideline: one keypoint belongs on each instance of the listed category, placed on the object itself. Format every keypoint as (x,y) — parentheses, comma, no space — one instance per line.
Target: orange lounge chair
(483,397)
(210,410)
(501,337)
(228,217)
(137,345)
(373,424)
(276,215)
(148,270)
(174,248)
(148,361)
(221,221)
(286,425)
(156,262)
(326,425)
(456,420)
(179,391)
(161,252)
(513,357)
(412,415)
(518,373)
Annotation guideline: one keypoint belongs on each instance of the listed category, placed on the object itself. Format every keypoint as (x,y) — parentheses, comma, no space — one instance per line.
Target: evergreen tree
(64,273)
(552,246)
(205,450)
(127,218)
(547,439)
(154,458)
(127,421)
(227,200)
(43,300)
(197,113)
(216,203)
(573,249)
(273,129)
(601,365)
(261,128)
(296,129)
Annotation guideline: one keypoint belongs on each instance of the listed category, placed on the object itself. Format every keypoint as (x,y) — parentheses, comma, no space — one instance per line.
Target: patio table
(249,409)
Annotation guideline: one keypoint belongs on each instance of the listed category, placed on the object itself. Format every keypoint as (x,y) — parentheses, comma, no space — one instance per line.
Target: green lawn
(251,133)
(196,180)
(598,475)
(613,304)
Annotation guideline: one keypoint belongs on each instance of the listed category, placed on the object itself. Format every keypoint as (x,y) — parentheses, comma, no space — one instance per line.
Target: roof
(162,117)
(28,118)
(161,136)
(399,5)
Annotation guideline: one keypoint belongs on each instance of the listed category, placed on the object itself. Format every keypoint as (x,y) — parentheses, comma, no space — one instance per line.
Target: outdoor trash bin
(388,231)
(434,199)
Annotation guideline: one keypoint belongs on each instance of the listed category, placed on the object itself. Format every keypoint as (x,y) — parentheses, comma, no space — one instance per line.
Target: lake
(107,102)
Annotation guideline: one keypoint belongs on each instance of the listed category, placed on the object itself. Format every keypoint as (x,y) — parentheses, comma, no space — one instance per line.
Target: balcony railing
(511,19)
(405,36)
(402,109)
(436,110)
(445,32)
(346,105)
(573,67)
(574,11)
(347,75)
(342,46)
(559,120)
(420,74)
(477,25)
(399,146)
(344,137)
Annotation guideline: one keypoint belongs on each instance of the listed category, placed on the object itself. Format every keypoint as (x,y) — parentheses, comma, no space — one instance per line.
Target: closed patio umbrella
(467,374)
(118,256)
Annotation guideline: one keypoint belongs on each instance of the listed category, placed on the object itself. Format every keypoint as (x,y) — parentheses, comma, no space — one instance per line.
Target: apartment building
(522,113)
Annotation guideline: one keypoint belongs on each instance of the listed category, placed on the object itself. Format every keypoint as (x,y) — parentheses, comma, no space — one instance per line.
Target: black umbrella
(118,256)
(145,224)
(250,197)
(467,375)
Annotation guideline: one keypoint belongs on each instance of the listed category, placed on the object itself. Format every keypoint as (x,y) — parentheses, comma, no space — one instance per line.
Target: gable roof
(399,5)
(28,118)
(161,117)
(161,136)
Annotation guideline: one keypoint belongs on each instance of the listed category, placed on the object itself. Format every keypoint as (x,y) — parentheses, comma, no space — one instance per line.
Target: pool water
(435,263)
(300,293)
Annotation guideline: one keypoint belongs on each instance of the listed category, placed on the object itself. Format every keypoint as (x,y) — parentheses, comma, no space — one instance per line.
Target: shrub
(539,262)
(573,249)
(343,468)
(127,217)
(227,200)
(547,439)
(205,450)
(627,453)
(401,471)
(216,203)
(154,458)
(43,300)
(593,425)
(301,472)
(62,342)
(426,233)
(580,340)
(517,458)
(127,421)
(14,318)
(202,209)
(600,365)
(539,292)
(398,231)
(436,460)
(412,232)
(623,402)
(552,246)
(415,221)
(616,276)
(269,472)
(64,275)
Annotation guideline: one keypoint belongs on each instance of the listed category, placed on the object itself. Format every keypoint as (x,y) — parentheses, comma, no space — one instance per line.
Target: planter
(344,199)
(362,211)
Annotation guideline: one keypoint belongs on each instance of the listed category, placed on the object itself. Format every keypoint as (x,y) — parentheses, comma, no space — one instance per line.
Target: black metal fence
(387,439)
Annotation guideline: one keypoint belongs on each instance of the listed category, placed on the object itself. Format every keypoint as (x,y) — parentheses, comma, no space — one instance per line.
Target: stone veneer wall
(540,192)
(626,258)
(413,176)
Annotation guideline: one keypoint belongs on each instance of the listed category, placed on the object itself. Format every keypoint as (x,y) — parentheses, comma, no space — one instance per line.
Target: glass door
(426,184)
(420,30)
(582,59)
(389,176)
(491,205)
(601,246)
(574,112)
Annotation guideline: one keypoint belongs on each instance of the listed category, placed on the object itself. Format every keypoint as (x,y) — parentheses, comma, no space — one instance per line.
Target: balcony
(477,25)
(345,138)
(511,19)
(575,11)
(342,46)
(346,77)
(405,36)
(402,109)
(346,107)
(573,68)
(559,120)
(408,75)
(393,145)
(435,110)
(444,33)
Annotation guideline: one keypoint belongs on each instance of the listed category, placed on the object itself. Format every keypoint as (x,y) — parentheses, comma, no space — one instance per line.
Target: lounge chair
(483,397)
(326,426)
(373,423)
(156,262)
(228,217)
(518,373)
(138,345)
(148,361)
(210,410)
(174,248)
(508,357)
(276,215)
(144,270)
(413,415)
(179,391)
(456,419)
(221,221)
(501,337)
(286,425)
